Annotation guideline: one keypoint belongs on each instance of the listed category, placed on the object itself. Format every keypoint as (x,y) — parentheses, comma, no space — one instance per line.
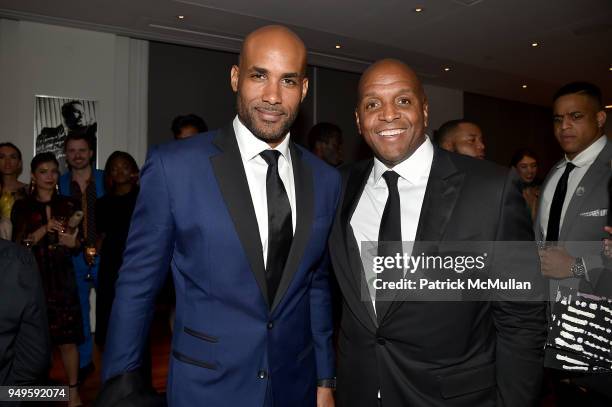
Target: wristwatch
(328,383)
(578,269)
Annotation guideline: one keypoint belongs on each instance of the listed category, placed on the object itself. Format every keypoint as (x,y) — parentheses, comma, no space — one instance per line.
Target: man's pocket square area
(595,212)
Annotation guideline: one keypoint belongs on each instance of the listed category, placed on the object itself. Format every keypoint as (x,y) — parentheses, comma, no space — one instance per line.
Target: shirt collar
(412,169)
(250,146)
(588,155)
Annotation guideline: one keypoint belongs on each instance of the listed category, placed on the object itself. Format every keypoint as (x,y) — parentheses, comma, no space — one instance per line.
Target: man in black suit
(425,353)
(25,350)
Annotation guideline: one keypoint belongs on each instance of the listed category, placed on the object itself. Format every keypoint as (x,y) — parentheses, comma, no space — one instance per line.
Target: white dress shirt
(256,169)
(412,182)
(583,162)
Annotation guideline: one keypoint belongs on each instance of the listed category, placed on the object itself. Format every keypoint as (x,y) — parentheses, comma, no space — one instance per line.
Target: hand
(325,397)
(607,243)
(54,226)
(556,262)
(68,239)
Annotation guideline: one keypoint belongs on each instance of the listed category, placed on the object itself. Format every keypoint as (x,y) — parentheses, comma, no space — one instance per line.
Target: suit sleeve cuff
(328,383)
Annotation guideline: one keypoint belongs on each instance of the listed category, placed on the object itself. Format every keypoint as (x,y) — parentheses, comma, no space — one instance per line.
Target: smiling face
(527,169)
(270,82)
(577,122)
(392,111)
(78,154)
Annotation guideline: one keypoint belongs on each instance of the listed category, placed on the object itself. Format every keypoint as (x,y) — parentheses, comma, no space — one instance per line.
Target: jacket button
(262,374)
(381,341)
(270,325)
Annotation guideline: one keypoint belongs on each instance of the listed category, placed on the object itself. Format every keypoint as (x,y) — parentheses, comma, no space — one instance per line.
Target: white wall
(40,59)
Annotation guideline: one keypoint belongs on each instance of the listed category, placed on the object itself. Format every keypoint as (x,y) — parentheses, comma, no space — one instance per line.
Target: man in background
(85,184)
(461,136)
(572,215)
(325,141)
(187,126)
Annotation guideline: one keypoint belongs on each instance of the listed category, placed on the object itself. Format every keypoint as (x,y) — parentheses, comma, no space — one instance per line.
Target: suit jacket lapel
(443,188)
(304,200)
(539,233)
(232,180)
(355,273)
(596,175)
(441,195)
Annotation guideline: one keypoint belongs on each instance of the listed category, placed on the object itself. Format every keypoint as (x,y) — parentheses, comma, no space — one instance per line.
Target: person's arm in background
(520,325)
(32,346)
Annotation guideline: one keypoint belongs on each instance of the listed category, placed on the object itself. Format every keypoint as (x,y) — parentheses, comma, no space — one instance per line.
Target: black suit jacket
(25,350)
(440,353)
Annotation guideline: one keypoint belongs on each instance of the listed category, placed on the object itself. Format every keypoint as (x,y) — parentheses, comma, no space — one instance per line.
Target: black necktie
(280,226)
(390,233)
(554,217)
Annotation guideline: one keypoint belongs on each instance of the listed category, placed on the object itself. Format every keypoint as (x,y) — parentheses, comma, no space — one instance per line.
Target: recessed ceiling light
(524,86)
(180,17)
(418,9)
(446,69)
(338,46)
(534,44)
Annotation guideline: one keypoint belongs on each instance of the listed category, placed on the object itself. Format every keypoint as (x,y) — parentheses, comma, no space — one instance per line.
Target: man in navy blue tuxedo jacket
(241,338)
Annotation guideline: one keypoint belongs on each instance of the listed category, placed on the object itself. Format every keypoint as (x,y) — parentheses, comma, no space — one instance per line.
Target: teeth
(391,132)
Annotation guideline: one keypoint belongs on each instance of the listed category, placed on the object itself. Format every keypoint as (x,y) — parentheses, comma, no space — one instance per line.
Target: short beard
(246,117)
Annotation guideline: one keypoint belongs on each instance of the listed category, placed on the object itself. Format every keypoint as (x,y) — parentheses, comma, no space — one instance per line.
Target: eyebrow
(403,90)
(265,71)
(563,114)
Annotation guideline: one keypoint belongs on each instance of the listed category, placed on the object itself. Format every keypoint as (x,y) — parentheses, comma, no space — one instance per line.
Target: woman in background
(11,189)
(525,162)
(41,221)
(113,215)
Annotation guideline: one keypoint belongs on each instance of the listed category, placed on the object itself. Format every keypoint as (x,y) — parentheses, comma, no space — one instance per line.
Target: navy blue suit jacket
(195,214)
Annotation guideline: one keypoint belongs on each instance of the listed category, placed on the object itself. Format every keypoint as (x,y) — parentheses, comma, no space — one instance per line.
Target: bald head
(389,69)
(274,37)
(392,111)
(270,82)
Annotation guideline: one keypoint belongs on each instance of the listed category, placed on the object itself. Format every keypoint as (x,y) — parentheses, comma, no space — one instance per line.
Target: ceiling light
(418,9)
(180,17)
(608,106)
(524,86)
(338,46)
(534,44)
(610,67)
(446,69)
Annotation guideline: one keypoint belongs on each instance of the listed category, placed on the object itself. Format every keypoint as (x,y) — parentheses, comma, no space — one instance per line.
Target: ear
(304,88)
(357,121)
(425,112)
(601,119)
(234,76)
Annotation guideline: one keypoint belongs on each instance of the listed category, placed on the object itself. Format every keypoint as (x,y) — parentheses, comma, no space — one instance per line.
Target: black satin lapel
(443,188)
(304,201)
(355,274)
(441,195)
(232,181)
